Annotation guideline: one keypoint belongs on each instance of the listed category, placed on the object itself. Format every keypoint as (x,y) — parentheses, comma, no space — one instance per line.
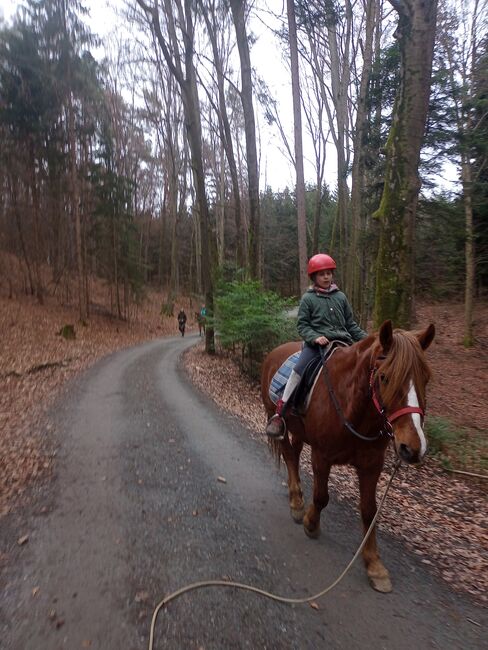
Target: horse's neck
(350,374)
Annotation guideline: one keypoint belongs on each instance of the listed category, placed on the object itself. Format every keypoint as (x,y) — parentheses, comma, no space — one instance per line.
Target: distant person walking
(201,319)
(182,321)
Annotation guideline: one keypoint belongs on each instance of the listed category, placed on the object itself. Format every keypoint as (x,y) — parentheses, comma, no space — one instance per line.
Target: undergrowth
(457,447)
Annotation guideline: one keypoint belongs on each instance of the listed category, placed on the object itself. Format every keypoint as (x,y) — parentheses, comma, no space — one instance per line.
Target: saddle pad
(280,378)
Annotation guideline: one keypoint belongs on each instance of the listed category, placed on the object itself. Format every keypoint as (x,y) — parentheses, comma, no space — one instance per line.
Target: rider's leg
(276,425)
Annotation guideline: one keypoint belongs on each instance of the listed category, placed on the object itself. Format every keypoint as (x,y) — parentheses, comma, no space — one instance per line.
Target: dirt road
(137,510)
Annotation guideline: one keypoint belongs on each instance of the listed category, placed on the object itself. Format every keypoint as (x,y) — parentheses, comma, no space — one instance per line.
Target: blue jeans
(308,353)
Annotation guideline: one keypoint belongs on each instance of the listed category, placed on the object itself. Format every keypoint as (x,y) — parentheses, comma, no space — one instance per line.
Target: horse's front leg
(378,575)
(321,471)
(291,451)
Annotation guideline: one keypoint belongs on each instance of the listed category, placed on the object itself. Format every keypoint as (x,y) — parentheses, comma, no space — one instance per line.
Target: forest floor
(441,516)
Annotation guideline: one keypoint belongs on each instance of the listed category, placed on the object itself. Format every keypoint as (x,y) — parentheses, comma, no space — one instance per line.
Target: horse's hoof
(383,585)
(313,534)
(297,515)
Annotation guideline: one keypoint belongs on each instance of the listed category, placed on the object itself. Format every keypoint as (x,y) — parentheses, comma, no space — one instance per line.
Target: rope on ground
(262,592)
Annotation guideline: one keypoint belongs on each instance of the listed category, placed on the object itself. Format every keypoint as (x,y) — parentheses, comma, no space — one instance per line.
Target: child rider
(324,315)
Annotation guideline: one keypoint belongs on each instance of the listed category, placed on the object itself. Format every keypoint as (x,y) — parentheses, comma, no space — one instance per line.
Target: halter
(386,428)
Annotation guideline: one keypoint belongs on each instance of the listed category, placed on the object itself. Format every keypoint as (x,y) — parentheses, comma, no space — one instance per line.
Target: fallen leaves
(36,363)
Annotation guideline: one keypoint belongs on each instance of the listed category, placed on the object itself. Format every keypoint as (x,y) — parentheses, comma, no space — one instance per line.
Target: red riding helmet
(320,262)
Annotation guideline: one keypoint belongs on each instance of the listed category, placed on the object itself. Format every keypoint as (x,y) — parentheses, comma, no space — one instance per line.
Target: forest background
(131,181)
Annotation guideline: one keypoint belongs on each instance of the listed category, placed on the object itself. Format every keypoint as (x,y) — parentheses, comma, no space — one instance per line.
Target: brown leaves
(35,364)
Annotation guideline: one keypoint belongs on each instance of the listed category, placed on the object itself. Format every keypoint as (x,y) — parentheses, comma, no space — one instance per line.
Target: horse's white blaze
(413,400)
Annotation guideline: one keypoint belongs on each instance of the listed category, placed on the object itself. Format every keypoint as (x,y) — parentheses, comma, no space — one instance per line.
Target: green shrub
(251,319)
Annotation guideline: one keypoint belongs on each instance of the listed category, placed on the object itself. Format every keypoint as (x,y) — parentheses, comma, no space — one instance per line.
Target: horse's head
(400,379)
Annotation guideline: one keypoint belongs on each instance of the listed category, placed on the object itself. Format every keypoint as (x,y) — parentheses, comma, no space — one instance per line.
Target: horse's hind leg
(291,451)
(321,471)
(378,575)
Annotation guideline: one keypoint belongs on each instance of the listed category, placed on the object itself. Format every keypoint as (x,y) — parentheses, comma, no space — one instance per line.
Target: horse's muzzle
(408,455)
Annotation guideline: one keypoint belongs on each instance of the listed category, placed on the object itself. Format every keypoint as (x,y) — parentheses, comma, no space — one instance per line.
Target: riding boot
(276,427)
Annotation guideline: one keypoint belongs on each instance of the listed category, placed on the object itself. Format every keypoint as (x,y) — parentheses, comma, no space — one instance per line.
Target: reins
(340,412)
(386,428)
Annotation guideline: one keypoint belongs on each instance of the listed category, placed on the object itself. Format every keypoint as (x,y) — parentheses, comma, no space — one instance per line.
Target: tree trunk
(238,14)
(74,190)
(18,221)
(226,137)
(187,82)
(297,122)
(340,75)
(357,254)
(467,182)
(36,233)
(397,211)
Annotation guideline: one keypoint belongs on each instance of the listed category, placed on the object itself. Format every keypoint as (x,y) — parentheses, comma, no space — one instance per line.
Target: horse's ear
(426,336)
(386,335)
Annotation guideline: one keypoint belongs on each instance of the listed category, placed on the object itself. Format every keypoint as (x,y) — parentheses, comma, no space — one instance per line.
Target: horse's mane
(405,359)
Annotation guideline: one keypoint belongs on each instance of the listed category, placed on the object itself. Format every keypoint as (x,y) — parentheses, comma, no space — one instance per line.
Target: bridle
(380,407)
(386,426)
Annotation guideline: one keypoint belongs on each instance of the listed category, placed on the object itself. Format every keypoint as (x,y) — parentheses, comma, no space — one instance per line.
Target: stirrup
(276,427)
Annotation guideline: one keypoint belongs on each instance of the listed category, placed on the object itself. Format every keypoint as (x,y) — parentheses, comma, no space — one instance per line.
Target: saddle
(300,397)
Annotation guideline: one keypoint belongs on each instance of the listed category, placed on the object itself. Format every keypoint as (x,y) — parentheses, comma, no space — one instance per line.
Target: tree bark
(398,207)
(238,14)
(297,122)
(226,136)
(356,255)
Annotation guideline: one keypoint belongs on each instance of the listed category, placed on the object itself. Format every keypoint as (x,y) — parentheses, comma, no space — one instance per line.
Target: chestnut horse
(367,394)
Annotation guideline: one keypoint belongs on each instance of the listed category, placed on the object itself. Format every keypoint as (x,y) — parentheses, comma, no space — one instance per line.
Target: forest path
(137,511)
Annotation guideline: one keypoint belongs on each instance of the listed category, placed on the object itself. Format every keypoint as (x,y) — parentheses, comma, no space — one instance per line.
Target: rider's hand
(321,340)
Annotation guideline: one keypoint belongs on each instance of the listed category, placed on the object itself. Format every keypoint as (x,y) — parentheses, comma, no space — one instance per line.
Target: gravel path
(137,510)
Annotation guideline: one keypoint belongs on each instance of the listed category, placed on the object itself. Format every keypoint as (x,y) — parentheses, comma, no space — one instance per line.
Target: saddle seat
(300,398)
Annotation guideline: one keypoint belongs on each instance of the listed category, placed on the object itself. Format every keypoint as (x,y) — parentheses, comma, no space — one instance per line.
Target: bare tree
(461,53)
(178,52)
(356,257)
(238,8)
(214,17)
(297,121)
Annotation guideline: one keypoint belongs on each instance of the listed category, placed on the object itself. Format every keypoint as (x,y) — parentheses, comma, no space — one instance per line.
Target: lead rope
(267,594)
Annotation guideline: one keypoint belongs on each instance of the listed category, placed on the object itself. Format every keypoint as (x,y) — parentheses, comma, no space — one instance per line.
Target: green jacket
(327,314)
